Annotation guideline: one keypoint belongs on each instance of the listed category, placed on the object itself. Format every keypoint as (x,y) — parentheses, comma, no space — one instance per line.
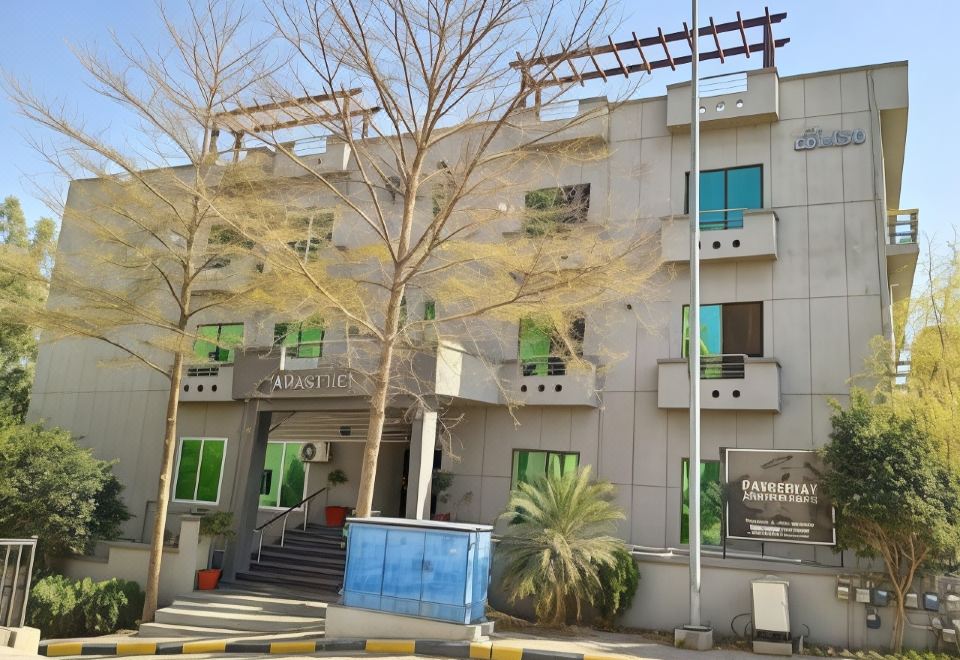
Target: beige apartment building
(804,253)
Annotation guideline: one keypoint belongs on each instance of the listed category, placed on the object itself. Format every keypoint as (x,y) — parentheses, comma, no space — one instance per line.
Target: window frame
(685,461)
(535,227)
(514,455)
(726,195)
(176,463)
(216,342)
(278,339)
(555,362)
(684,350)
(279,506)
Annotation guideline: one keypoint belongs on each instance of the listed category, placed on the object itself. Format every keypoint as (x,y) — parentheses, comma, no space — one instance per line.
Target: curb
(479,650)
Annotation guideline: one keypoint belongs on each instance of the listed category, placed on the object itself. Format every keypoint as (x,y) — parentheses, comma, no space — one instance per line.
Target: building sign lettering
(286,381)
(814,137)
(776,496)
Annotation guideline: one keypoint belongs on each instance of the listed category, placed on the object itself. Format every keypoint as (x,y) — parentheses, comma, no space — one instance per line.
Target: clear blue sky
(824,34)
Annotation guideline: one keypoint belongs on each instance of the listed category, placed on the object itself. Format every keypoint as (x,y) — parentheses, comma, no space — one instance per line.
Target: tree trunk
(163,492)
(378,408)
(899,621)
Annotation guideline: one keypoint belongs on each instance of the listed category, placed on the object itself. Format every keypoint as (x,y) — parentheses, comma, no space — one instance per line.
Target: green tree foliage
(558,537)
(54,489)
(60,607)
(620,582)
(896,496)
(18,341)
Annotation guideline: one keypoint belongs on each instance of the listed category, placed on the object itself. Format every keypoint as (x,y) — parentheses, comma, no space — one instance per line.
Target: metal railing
(305,502)
(718,219)
(545,365)
(18,556)
(902,226)
(729,365)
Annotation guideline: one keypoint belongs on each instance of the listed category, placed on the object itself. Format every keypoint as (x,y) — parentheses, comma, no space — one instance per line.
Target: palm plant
(559,535)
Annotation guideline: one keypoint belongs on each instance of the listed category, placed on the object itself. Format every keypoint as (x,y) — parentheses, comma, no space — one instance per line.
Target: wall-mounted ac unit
(315,452)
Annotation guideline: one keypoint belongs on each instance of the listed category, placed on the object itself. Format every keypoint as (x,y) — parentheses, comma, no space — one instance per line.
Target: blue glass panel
(404,563)
(481,569)
(711,330)
(445,568)
(743,192)
(364,572)
(712,196)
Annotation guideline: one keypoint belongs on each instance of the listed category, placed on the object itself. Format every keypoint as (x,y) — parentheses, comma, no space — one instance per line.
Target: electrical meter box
(431,569)
(771,616)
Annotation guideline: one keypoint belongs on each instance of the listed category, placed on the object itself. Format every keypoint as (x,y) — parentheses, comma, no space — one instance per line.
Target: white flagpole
(693,347)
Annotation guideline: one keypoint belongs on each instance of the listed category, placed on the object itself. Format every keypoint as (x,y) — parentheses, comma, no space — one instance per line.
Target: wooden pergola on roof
(293,113)
(585,64)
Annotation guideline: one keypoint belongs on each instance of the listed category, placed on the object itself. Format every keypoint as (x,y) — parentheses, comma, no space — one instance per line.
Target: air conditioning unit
(315,452)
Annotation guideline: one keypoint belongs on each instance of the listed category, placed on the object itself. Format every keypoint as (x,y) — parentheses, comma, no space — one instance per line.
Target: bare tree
(451,190)
(143,239)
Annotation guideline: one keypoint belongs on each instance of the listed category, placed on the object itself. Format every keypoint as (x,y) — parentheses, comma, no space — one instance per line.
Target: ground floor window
(530,465)
(711,503)
(199,470)
(283,479)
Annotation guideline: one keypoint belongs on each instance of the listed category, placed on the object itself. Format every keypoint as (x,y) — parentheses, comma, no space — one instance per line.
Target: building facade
(804,252)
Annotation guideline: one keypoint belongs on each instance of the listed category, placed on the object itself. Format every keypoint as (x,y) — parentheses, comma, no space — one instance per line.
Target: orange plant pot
(208,578)
(336,515)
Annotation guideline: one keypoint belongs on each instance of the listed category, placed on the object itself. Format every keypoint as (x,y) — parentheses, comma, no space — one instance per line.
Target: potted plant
(217,525)
(439,486)
(336,515)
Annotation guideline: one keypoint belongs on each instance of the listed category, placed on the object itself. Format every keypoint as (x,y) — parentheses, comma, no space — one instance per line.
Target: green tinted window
(284,475)
(199,470)
(304,339)
(535,340)
(429,311)
(218,342)
(711,503)
(528,465)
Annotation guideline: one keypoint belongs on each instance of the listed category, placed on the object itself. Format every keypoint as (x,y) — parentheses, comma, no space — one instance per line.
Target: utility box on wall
(432,569)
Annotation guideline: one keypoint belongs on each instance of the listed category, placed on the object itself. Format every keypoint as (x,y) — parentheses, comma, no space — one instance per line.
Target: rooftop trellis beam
(303,111)
(767,45)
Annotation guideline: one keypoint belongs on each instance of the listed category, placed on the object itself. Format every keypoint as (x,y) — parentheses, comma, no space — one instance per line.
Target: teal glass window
(530,465)
(711,503)
(218,342)
(725,194)
(199,470)
(284,477)
(303,339)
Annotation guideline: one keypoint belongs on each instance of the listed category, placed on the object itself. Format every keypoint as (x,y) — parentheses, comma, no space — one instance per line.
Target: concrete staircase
(309,560)
(230,612)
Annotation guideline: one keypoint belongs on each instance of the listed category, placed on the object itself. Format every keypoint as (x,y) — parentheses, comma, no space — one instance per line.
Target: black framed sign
(776,495)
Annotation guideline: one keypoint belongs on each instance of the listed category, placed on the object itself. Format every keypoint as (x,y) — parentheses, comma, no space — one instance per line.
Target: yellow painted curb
(480,650)
(309,646)
(205,646)
(506,652)
(136,648)
(390,646)
(65,648)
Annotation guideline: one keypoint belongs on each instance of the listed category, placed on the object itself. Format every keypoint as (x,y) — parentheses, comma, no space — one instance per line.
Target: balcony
(902,250)
(208,383)
(728,382)
(755,240)
(737,99)
(549,382)
(226,275)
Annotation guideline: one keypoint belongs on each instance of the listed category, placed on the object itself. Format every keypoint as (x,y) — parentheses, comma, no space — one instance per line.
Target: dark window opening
(552,210)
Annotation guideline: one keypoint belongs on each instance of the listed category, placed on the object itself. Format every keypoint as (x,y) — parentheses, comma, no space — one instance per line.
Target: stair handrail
(283,514)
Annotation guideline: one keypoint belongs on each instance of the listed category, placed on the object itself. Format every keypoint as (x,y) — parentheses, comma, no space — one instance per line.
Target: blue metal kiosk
(432,569)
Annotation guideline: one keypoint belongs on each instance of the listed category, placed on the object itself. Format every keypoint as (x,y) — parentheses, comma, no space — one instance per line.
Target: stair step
(250,604)
(329,587)
(312,541)
(333,581)
(236,621)
(161,630)
(299,566)
(335,563)
(295,548)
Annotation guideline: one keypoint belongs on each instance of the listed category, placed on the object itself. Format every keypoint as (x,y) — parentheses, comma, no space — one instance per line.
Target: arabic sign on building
(814,137)
(776,495)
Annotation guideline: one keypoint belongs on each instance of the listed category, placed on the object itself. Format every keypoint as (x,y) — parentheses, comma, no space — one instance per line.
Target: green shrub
(620,582)
(60,607)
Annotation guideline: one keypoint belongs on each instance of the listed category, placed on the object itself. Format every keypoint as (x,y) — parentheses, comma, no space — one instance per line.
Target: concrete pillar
(423,441)
(246,501)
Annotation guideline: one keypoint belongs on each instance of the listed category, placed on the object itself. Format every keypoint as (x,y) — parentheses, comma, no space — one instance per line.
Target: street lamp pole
(693,345)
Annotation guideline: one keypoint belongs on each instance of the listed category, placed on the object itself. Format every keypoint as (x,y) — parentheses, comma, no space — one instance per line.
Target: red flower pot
(336,515)
(208,578)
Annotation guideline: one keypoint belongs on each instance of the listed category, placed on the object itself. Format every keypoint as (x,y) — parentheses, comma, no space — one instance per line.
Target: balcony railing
(902,226)
(729,365)
(547,365)
(719,219)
